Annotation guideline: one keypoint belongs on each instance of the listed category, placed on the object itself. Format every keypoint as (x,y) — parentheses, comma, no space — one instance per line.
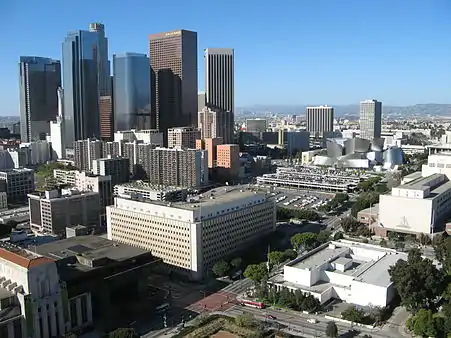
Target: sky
(286,52)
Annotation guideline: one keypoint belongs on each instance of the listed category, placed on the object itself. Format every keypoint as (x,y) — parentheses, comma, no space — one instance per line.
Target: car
(270,317)
(312,320)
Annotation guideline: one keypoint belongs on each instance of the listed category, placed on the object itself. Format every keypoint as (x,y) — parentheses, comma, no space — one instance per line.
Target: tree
(290,254)
(123,333)
(276,257)
(424,324)
(442,248)
(236,262)
(256,272)
(323,236)
(338,235)
(331,330)
(306,240)
(245,320)
(354,315)
(350,224)
(417,281)
(221,268)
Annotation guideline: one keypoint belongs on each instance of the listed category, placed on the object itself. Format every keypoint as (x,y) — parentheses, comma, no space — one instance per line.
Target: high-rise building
(220,87)
(183,137)
(39,81)
(319,119)
(200,101)
(131,87)
(106,117)
(57,130)
(173,61)
(116,167)
(19,183)
(85,78)
(85,151)
(228,159)
(370,119)
(210,145)
(214,122)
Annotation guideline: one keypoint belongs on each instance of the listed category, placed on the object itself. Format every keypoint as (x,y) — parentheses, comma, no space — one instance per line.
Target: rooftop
(421,182)
(21,257)
(149,186)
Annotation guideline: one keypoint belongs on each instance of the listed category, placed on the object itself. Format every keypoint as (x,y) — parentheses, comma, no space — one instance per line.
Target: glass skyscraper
(39,80)
(131,88)
(85,78)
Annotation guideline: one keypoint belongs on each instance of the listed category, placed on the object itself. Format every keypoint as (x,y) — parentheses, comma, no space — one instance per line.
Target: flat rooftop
(421,182)
(92,247)
(149,187)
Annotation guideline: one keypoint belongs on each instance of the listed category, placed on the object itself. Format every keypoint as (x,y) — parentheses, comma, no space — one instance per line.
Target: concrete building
(52,211)
(31,297)
(191,236)
(173,61)
(19,183)
(39,80)
(57,137)
(201,99)
(40,151)
(19,215)
(106,117)
(210,145)
(142,190)
(353,272)
(85,151)
(152,136)
(297,141)
(118,168)
(320,119)
(256,125)
(370,119)
(215,123)
(183,137)
(228,159)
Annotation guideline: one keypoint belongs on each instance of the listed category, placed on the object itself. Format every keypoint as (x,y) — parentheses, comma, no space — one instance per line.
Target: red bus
(250,303)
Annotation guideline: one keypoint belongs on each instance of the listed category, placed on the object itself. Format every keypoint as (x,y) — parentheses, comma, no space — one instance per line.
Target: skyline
(405,63)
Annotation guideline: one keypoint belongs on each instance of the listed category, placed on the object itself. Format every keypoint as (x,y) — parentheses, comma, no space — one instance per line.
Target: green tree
(221,268)
(305,240)
(256,272)
(417,281)
(290,254)
(236,262)
(123,333)
(354,315)
(323,236)
(338,235)
(276,257)
(424,324)
(442,248)
(350,224)
(245,320)
(331,330)
(310,304)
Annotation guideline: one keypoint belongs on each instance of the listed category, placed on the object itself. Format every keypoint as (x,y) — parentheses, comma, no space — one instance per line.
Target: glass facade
(85,78)
(131,88)
(39,80)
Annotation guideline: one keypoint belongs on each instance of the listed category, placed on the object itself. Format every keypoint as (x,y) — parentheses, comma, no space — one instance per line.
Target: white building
(153,136)
(354,272)
(421,202)
(57,138)
(144,190)
(191,236)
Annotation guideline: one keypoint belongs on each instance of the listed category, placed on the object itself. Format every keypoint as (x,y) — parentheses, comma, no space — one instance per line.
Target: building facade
(183,137)
(106,117)
(19,183)
(173,61)
(118,168)
(214,123)
(39,80)
(192,236)
(370,119)
(320,119)
(131,82)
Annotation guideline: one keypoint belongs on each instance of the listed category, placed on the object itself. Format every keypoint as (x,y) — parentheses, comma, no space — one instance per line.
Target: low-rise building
(354,272)
(148,191)
(191,236)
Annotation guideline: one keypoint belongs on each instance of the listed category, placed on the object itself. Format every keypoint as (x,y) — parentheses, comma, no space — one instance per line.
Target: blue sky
(301,52)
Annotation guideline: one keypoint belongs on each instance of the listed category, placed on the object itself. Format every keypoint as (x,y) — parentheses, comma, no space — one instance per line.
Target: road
(296,322)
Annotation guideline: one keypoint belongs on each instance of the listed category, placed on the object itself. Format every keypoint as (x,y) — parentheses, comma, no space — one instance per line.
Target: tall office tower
(370,119)
(220,87)
(131,87)
(106,117)
(183,137)
(214,123)
(85,79)
(200,101)
(85,151)
(57,129)
(173,61)
(320,119)
(39,81)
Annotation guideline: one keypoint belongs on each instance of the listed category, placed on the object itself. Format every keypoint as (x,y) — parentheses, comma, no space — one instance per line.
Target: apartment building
(52,211)
(228,158)
(85,151)
(210,145)
(191,236)
(153,136)
(116,167)
(183,137)
(19,183)
(214,123)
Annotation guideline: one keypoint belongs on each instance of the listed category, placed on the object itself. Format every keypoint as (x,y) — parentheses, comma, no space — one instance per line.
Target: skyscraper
(131,87)
(220,87)
(39,81)
(214,122)
(57,130)
(173,61)
(370,119)
(85,79)
(320,119)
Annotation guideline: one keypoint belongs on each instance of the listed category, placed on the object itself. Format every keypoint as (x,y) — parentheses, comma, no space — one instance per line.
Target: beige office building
(214,123)
(191,236)
(183,137)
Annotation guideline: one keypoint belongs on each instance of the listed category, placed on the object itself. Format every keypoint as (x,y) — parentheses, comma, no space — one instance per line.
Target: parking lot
(299,199)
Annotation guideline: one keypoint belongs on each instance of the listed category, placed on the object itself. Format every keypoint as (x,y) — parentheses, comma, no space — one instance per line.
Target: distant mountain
(420,110)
